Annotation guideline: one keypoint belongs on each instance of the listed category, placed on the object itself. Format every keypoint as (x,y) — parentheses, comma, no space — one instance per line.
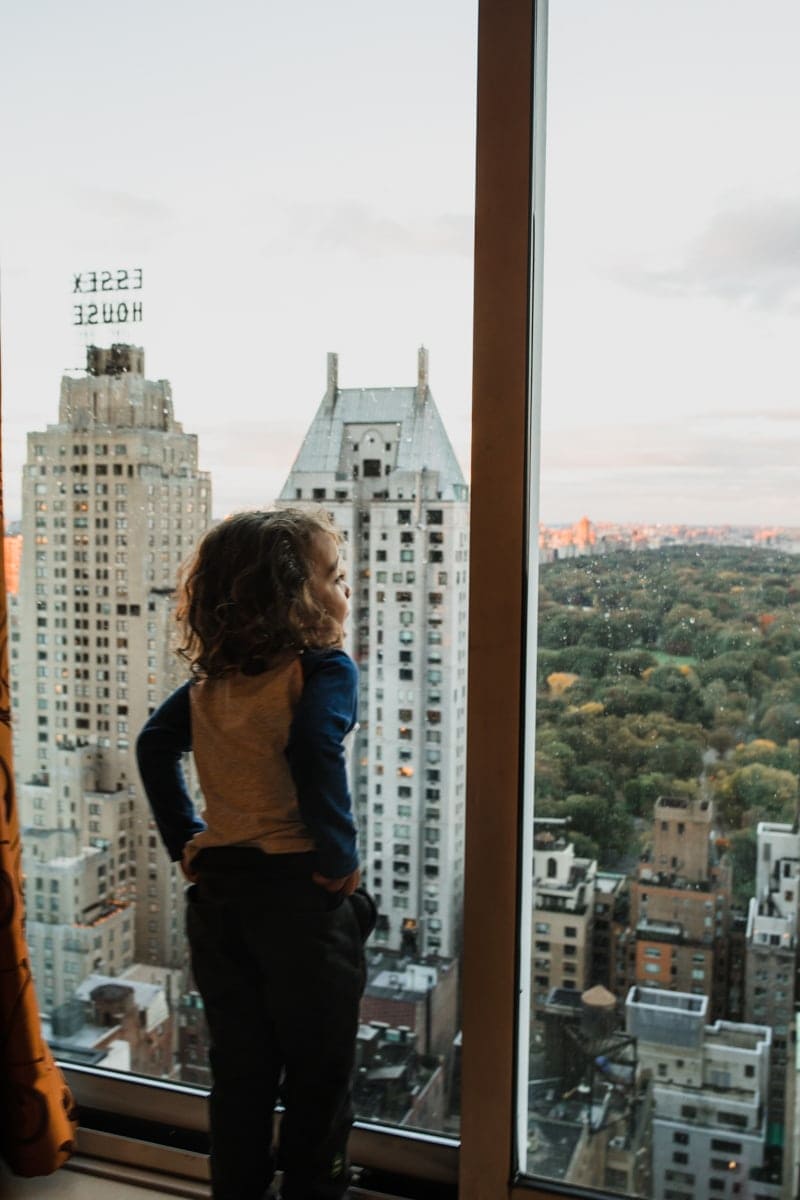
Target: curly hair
(244,598)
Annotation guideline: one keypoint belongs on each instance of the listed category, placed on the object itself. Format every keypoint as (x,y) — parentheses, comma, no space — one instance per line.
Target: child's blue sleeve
(165,738)
(324,715)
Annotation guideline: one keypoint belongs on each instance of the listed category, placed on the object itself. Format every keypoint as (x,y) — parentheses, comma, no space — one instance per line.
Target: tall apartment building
(563,915)
(680,905)
(112,502)
(710,1087)
(380,461)
(771,974)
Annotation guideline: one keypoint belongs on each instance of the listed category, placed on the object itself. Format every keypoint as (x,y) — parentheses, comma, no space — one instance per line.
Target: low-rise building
(394,1082)
(680,905)
(710,1086)
(563,916)
(120,1024)
(419,994)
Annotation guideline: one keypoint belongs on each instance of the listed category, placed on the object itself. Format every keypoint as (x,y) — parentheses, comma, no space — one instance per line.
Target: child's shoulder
(330,660)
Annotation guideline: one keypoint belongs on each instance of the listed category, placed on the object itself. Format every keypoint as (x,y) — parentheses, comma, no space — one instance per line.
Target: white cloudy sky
(298,178)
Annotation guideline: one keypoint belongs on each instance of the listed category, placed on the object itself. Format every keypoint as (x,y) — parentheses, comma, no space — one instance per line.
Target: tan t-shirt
(240,729)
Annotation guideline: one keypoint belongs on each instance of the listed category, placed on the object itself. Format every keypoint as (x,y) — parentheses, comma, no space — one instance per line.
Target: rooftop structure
(710,1084)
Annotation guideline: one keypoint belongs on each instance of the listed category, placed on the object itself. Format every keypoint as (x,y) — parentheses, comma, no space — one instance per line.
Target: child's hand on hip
(347,884)
(186,867)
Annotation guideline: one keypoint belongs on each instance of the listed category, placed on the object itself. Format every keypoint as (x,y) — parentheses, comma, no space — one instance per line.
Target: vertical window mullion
(501,390)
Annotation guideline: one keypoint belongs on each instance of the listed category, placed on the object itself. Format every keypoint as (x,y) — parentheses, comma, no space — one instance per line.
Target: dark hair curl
(244,598)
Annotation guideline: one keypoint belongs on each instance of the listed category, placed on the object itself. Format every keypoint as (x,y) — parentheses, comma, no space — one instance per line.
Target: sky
(296,179)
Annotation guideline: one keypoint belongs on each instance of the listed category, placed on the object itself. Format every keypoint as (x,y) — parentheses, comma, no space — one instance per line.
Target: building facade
(379,460)
(113,501)
(771,983)
(710,1087)
(611,910)
(563,916)
(680,906)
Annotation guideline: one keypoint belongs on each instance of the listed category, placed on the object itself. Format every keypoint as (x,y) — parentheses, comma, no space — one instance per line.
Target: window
(727,1147)
(670,891)
(499,372)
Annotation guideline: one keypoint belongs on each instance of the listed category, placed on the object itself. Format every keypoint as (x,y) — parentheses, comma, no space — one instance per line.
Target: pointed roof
(422,441)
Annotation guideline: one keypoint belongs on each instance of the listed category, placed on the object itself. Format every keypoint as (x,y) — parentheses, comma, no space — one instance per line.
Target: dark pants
(279,964)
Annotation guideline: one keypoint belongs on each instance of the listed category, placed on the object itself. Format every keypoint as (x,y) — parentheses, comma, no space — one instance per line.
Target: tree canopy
(661,672)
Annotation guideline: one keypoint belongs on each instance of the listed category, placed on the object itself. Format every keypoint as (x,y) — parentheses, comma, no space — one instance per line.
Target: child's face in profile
(328,581)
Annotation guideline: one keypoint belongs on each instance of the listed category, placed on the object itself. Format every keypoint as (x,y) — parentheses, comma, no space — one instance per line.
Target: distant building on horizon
(380,460)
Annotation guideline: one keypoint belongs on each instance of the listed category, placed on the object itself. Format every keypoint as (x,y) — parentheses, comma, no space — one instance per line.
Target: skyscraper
(379,459)
(113,501)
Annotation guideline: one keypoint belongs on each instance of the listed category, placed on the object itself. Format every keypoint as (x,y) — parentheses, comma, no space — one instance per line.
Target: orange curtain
(37,1113)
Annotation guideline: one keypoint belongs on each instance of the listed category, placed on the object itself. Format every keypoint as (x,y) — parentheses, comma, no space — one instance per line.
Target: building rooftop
(421,440)
(145,994)
(411,982)
(696,806)
(552,1142)
(738,1036)
(563,1001)
(609,882)
(677,1001)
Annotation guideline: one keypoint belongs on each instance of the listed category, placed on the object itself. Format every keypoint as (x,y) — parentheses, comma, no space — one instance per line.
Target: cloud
(705,444)
(110,217)
(358,229)
(758,414)
(749,256)
(127,206)
(698,470)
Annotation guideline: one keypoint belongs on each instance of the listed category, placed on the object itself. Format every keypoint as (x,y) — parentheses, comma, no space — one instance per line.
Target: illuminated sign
(108,305)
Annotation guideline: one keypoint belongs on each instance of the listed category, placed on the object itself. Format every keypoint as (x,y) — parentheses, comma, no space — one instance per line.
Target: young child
(274,920)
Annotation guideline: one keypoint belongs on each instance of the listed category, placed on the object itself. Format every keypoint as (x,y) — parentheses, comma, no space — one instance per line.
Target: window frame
(512,48)
(503,484)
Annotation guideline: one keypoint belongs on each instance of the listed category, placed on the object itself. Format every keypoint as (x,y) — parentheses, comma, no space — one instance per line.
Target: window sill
(128,1108)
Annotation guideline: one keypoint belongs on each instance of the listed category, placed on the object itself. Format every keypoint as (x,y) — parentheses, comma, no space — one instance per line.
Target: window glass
(666,851)
(223,243)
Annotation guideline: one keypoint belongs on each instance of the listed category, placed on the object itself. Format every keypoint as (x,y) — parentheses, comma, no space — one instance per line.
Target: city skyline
(624,922)
(298,181)
(113,499)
